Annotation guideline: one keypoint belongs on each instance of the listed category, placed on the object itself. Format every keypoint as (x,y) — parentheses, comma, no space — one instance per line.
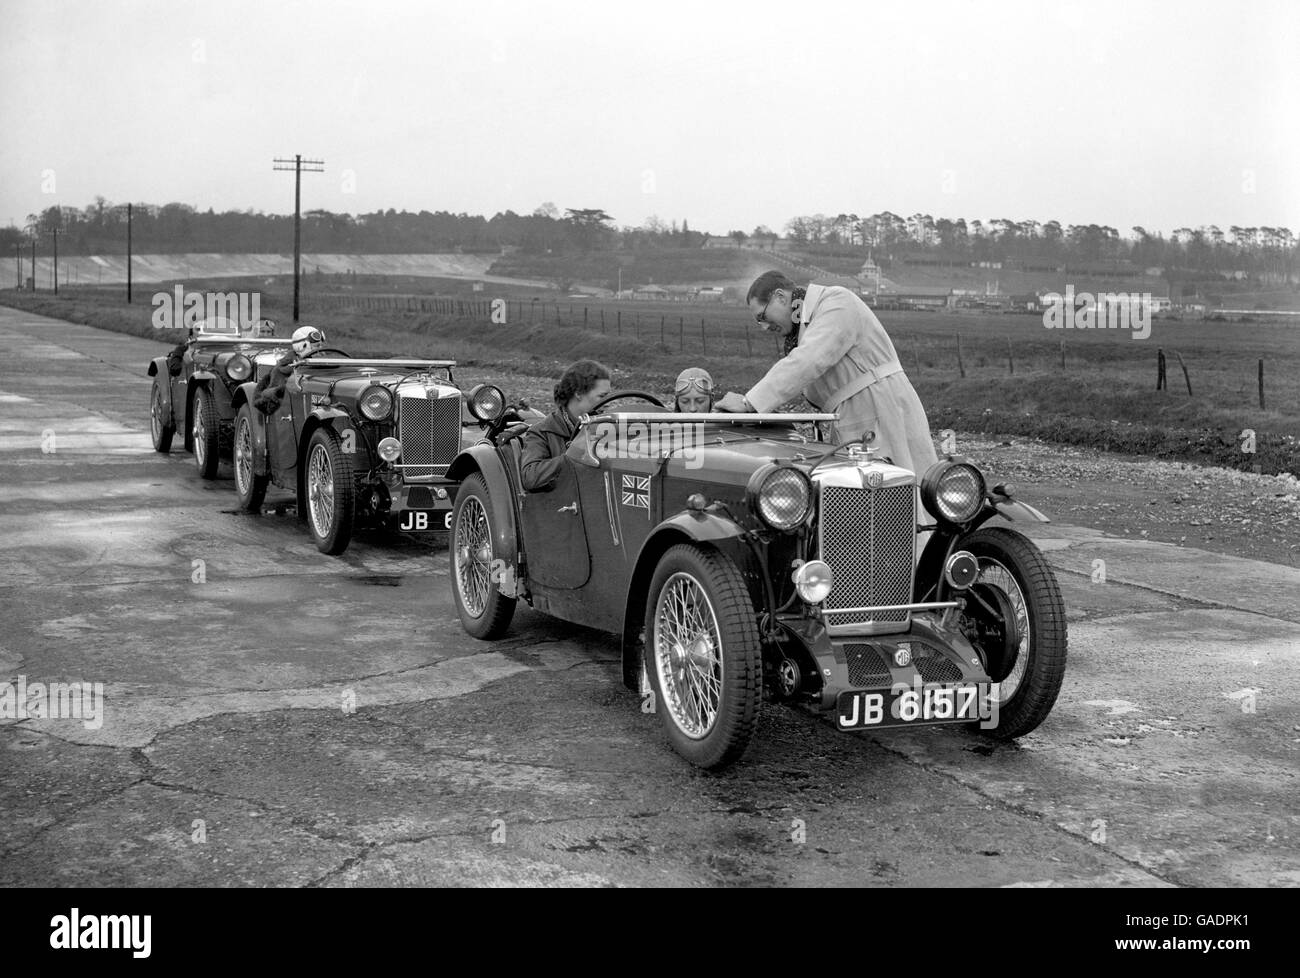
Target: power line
(298,165)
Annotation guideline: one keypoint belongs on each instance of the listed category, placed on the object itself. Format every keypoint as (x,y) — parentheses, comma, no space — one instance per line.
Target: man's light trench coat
(846,363)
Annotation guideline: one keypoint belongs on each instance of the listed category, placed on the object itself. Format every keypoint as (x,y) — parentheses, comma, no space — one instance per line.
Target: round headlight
(390,449)
(813,581)
(953,491)
(239,367)
(486,402)
(375,403)
(781,496)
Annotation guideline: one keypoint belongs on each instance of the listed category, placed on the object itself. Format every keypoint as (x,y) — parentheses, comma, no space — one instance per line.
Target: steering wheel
(618,395)
(330,349)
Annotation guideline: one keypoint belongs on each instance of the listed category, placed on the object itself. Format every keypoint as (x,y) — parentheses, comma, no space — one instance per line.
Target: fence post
(584,317)
(916,353)
(1261,383)
(1011,359)
(1161,383)
(618,318)
(1186,376)
(961,365)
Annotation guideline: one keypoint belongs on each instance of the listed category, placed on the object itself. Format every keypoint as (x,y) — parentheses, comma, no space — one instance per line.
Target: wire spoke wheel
(1019,625)
(688,656)
(249,486)
(320,491)
(243,456)
(329,489)
(473,556)
(478,574)
(702,654)
(160,427)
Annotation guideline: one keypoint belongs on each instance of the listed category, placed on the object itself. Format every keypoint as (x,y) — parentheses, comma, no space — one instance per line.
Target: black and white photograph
(665,445)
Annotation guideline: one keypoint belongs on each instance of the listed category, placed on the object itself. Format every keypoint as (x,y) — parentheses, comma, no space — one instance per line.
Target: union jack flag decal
(636,492)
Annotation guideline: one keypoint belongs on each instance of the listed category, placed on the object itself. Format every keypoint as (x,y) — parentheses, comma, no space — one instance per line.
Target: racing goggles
(702,384)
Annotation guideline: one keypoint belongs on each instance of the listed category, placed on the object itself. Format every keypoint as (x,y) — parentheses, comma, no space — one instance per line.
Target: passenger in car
(693,392)
(306,341)
(579,388)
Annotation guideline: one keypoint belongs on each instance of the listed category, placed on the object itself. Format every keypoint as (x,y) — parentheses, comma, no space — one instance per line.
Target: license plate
(420,520)
(907,706)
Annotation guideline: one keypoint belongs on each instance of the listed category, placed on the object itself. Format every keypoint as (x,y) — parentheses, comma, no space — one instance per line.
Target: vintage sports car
(198,399)
(357,442)
(737,558)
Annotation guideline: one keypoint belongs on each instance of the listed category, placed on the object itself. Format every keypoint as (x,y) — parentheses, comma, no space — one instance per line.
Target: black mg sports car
(193,393)
(739,559)
(356,441)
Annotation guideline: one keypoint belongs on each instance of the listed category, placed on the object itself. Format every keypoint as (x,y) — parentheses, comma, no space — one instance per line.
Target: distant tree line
(1253,250)
(100,228)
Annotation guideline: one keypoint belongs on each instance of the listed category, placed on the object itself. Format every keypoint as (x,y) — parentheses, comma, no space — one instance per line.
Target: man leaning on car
(840,357)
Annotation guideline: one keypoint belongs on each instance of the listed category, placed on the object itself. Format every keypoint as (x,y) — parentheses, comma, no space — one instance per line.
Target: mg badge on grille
(873,479)
(902,655)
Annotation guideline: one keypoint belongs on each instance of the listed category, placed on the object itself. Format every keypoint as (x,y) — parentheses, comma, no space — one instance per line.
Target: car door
(555,536)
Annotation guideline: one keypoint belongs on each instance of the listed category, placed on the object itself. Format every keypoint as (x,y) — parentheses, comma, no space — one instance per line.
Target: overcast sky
(1160,114)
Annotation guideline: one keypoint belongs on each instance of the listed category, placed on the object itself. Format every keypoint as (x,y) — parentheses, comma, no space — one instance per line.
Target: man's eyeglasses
(761,318)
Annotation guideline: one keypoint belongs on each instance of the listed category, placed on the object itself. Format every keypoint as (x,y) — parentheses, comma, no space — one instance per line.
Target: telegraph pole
(128,253)
(33,262)
(55,232)
(298,165)
(18,262)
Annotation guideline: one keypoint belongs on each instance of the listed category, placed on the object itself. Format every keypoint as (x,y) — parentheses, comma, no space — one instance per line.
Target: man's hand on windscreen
(734,403)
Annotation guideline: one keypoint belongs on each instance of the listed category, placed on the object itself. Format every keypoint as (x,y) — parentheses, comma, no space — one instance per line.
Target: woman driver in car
(693,392)
(579,388)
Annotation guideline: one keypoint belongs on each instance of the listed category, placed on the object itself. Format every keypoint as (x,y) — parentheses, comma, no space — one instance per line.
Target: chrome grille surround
(428,426)
(868,537)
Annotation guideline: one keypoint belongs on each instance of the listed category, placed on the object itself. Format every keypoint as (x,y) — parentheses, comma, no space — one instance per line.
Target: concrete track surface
(227,756)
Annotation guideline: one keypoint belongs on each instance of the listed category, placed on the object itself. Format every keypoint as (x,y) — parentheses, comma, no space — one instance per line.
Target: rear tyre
(484,611)
(249,486)
(703,655)
(331,492)
(160,422)
(207,434)
(1016,581)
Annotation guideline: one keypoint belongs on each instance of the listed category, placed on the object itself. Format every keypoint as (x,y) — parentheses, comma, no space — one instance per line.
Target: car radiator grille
(429,431)
(867,538)
(867,666)
(933,665)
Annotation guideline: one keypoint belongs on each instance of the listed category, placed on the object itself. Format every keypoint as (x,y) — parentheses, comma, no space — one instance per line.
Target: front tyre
(160,422)
(207,434)
(484,611)
(331,492)
(703,655)
(1015,614)
(249,486)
